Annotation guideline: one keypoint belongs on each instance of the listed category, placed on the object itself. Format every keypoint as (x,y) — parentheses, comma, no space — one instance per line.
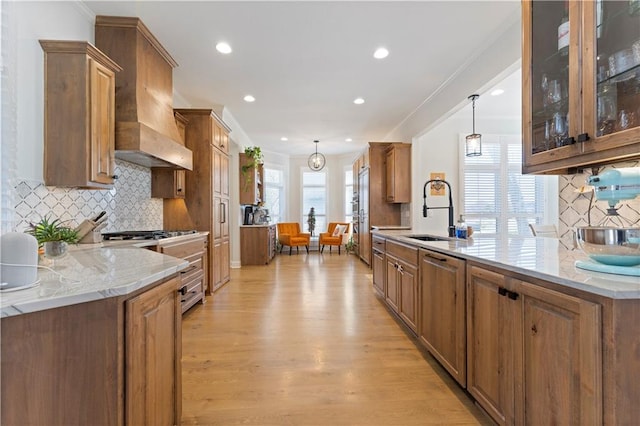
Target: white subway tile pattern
(574,207)
(129,205)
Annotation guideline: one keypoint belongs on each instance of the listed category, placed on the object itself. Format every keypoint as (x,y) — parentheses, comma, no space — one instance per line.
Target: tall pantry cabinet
(375,207)
(206,203)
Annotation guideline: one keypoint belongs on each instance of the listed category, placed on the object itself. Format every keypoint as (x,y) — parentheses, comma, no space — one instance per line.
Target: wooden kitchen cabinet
(402,282)
(192,248)
(167,182)
(379,264)
(580,104)
(113,361)
(79,110)
(441,297)
(373,208)
(398,173)
(257,244)
(251,181)
(153,357)
(207,191)
(534,354)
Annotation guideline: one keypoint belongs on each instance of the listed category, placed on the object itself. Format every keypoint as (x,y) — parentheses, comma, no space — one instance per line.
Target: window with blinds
(496,197)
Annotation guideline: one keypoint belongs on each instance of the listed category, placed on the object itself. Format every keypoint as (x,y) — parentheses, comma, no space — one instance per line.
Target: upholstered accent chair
(289,235)
(337,234)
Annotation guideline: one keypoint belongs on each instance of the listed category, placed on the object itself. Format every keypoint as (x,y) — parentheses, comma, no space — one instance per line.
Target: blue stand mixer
(613,246)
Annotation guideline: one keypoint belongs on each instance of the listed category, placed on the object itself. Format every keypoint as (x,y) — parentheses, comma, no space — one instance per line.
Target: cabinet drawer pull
(513,295)
(115,177)
(440,259)
(183,290)
(502,291)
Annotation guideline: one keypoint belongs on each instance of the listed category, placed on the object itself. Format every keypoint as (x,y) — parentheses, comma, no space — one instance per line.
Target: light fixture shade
(473,142)
(316,160)
(473,145)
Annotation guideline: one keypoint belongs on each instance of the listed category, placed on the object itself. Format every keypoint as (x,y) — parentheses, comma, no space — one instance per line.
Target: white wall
(438,150)
(40,20)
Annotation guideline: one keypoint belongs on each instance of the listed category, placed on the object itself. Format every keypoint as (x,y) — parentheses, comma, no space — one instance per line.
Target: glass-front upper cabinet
(581,83)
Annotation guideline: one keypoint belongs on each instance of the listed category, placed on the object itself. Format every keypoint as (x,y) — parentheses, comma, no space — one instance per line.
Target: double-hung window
(497,199)
(274,193)
(314,194)
(348,195)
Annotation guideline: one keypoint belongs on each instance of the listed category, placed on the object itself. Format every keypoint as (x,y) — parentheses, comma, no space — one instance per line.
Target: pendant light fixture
(473,142)
(316,160)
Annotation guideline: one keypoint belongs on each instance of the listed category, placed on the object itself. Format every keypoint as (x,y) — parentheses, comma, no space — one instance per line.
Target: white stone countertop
(543,258)
(260,225)
(90,273)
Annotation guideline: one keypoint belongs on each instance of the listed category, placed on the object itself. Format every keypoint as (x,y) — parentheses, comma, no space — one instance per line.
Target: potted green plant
(53,236)
(254,158)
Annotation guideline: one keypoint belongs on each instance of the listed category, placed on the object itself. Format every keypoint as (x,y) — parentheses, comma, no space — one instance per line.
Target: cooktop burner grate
(144,235)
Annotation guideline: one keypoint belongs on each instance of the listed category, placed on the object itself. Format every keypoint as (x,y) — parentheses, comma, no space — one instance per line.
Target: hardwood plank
(305,341)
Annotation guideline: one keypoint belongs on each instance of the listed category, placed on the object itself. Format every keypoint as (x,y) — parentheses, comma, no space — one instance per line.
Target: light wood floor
(304,341)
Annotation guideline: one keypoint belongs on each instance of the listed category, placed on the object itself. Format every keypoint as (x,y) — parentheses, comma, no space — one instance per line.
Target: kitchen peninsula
(533,339)
(96,342)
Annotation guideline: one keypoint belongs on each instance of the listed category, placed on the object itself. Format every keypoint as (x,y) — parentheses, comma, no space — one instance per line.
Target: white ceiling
(306,61)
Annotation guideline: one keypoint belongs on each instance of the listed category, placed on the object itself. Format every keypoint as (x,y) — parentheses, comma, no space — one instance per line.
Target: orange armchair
(335,237)
(289,235)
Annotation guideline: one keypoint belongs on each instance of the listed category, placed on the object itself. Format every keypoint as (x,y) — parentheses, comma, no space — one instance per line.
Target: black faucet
(451,229)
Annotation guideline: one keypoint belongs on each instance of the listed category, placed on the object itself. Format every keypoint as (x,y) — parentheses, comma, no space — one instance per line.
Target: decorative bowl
(609,245)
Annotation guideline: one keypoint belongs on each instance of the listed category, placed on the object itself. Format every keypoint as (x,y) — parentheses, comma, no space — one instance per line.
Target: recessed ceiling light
(223,47)
(249,98)
(497,92)
(380,53)
(283,139)
(358,101)
(348,140)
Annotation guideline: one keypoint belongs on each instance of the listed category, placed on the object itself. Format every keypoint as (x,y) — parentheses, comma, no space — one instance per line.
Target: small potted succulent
(52,236)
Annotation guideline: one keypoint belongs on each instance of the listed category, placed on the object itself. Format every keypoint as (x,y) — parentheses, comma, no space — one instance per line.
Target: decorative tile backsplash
(574,207)
(129,205)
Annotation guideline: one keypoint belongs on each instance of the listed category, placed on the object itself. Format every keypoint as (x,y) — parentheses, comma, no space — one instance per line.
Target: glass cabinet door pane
(618,66)
(550,74)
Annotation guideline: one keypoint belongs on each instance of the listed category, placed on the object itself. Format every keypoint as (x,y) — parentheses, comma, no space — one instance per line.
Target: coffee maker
(248,215)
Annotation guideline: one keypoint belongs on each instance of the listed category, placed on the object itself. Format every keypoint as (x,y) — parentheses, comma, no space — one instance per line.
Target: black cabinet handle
(502,291)
(183,290)
(513,295)
(440,259)
(583,137)
(115,177)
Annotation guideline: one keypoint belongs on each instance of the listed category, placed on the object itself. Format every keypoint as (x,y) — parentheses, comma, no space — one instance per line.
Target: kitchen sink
(428,238)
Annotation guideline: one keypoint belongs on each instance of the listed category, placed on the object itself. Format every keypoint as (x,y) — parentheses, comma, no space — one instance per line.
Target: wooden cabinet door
(489,344)
(102,81)
(153,341)
(364,242)
(225,268)
(379,271)
(224,175)
(392,289)
(559,369)
(442,328)
(408,280)
(219,210)
(216,270)
(398,173)
(216,171)
(224,220)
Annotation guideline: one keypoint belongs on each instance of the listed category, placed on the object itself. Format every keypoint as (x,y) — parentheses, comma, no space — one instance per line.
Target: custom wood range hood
(146,132)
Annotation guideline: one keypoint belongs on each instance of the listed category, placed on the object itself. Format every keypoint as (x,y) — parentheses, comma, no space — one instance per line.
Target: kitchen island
(97,341)
(532,338)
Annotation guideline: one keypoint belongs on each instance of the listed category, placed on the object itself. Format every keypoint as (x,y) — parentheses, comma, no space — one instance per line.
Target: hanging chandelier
(473,142)
(316,160)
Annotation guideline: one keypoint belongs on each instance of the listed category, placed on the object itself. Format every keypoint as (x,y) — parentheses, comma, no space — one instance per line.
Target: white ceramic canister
(18,260)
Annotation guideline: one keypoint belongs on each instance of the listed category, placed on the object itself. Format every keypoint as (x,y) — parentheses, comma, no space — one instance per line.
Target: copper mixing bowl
(609,245)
